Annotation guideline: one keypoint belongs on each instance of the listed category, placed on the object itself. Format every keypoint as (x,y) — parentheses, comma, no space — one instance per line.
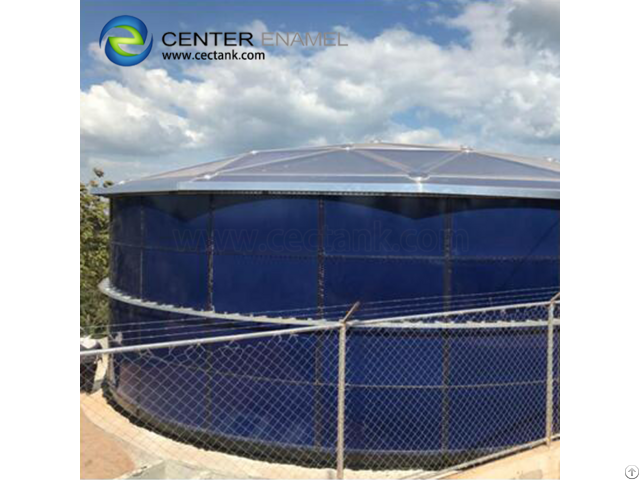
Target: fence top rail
(208,340)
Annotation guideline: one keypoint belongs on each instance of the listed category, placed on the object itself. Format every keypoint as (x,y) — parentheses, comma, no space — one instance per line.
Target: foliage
(94,254)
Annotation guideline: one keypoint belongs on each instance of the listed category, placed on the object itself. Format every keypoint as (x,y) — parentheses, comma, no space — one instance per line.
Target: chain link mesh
(248,408)
(432,393)
(421,395)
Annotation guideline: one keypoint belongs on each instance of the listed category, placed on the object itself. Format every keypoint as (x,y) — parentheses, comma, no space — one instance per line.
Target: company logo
(632,472)
(113,49)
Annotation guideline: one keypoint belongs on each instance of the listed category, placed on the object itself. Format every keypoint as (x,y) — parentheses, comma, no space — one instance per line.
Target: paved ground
(110,446)
(540,462)
(186,461)
(101,456)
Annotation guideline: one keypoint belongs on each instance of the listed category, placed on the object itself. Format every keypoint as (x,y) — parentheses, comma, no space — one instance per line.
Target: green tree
(94,255)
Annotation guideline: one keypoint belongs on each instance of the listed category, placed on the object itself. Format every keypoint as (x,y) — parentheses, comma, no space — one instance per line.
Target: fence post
(342,372)
(549,412)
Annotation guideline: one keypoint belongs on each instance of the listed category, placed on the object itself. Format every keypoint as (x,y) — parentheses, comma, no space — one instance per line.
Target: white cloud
(537,22)
(423,136)
(114,119)
(256,27)
(498,90)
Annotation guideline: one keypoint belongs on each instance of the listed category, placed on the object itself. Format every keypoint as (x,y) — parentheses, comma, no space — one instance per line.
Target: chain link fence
(411,395)
(463,386)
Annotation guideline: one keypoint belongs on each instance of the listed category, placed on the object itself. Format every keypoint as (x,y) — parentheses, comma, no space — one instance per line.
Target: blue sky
(484,74)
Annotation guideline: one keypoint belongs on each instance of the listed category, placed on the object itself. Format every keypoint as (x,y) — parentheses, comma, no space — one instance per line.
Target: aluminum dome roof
(361,169)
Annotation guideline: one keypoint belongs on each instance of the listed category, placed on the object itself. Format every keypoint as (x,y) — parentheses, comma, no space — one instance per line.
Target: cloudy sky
(483,74)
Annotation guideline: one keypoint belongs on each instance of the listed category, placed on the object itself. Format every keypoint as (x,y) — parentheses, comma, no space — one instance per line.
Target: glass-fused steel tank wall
(264,253)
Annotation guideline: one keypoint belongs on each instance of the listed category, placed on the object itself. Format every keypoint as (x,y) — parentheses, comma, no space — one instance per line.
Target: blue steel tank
(305,233)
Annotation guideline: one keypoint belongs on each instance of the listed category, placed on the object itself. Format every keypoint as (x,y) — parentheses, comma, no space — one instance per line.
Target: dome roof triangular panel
(361,169)
(322,163)
(479,165)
